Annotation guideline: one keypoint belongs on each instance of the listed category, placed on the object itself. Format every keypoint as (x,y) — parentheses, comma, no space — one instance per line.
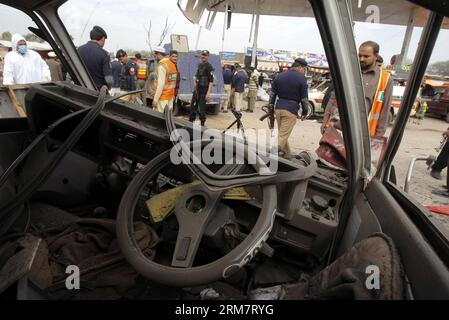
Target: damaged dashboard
(306,210)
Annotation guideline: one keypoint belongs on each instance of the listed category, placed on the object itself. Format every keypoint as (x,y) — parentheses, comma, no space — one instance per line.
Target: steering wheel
(193,221)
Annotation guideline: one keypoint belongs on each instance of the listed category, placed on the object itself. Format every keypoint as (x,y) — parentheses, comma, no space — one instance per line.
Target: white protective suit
(23,69)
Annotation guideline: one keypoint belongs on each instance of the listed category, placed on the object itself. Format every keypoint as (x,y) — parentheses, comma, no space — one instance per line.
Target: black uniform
(116,71)
(442,161)
(128,76)
(97,62)
(204,76)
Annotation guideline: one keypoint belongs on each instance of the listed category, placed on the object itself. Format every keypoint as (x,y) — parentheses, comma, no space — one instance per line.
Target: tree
(33,38)
(165,31)
(148,31)
(7,36)
(439,68)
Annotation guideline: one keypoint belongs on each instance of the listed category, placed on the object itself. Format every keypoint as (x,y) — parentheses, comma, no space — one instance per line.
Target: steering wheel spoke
(193,213)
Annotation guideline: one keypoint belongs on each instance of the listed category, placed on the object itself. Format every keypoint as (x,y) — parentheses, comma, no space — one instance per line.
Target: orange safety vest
(168,92)
(142,71)
(376,108)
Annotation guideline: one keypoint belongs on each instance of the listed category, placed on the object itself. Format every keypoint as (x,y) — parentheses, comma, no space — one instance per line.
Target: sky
(125,25)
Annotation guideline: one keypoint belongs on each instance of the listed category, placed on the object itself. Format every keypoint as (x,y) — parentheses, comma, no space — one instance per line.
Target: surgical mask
(22,49)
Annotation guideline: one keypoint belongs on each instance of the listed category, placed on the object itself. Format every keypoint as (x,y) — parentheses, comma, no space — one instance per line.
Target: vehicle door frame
(336,28)
(372,202)
(436,235)
(422,243)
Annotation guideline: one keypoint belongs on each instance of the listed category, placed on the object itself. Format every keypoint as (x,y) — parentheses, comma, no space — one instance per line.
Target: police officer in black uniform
(128,75)
(97,59)
(290,97)
(204,80)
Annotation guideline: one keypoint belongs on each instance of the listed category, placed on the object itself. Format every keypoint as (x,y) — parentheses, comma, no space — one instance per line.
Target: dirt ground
(419,140)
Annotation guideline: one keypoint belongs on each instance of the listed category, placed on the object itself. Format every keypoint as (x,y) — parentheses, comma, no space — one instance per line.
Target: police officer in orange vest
(378,87)
(142,76)
(165,82)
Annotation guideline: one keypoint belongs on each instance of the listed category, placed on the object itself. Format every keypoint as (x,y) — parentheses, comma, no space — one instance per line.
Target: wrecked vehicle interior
(86,180)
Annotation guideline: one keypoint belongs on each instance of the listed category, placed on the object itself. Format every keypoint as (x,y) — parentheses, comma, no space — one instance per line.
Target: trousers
(286,122)
(199,102)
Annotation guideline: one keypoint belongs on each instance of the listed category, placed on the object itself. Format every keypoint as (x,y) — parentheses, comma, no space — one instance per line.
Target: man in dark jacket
(291,89)
(238,86)
(116,70)
(96,59)
(227,79)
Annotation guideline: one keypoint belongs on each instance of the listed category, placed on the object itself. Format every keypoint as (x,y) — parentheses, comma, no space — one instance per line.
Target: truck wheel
(313,109)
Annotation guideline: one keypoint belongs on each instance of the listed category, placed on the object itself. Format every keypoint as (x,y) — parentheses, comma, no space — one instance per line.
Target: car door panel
(361,224)
(426,272)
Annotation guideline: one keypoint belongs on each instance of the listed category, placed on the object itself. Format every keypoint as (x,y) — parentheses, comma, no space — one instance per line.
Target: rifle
(269,113)
(194,101)
(238,121)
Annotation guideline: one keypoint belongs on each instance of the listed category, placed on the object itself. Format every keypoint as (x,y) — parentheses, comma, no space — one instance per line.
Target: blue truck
(187,65)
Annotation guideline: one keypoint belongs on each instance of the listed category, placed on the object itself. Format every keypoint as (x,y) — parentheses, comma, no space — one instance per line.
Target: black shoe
(436,174)
(444,193)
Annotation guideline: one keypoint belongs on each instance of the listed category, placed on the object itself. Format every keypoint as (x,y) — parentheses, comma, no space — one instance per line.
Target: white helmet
(159,49)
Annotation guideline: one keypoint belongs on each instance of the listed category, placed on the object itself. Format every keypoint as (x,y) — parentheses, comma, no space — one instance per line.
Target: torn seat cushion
(91,245)
(347,277)
(332,148)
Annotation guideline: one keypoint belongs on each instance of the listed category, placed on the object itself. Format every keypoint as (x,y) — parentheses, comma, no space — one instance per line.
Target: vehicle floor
(44,219)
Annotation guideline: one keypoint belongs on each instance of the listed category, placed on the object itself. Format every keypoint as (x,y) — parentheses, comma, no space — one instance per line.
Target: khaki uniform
(238,101)
(161,104)
(252,93)
(55,70)
(129,97)
(286,122)
(228,91)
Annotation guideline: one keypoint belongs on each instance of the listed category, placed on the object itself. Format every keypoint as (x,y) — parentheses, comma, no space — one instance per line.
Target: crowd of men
(156,83)
(131,77)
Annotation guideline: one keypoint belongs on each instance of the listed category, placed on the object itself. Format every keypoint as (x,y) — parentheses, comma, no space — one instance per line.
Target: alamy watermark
(257,147)
(373,280)
(372,12)
(72,282)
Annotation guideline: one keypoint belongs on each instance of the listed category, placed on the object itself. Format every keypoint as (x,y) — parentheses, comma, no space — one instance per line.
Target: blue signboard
(259,54)
(229,55)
